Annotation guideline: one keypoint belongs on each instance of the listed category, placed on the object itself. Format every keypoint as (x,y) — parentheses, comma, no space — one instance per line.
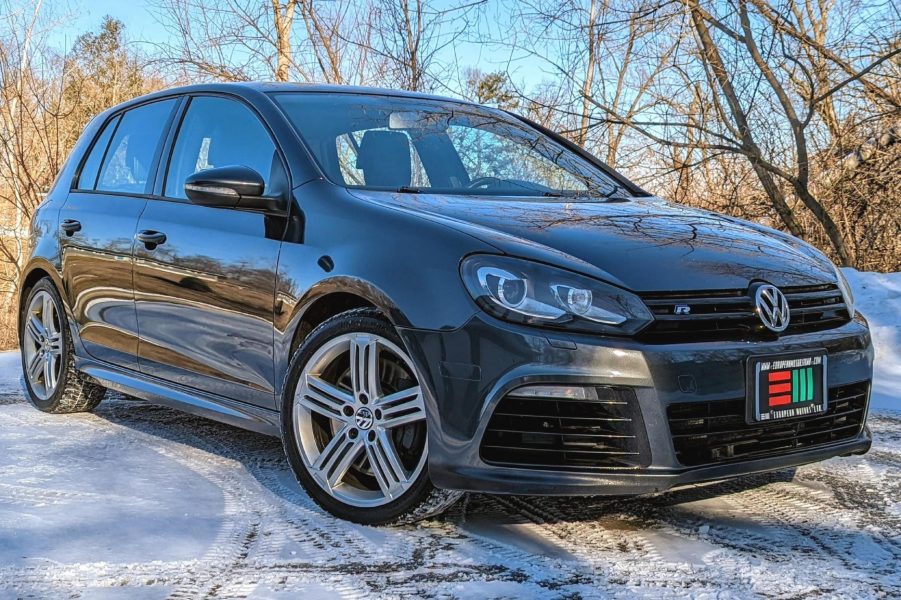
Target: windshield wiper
(616,194)
(408,189)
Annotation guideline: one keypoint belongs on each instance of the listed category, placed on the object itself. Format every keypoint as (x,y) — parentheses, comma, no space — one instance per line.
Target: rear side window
(126,166)
(87,179)
(219,132)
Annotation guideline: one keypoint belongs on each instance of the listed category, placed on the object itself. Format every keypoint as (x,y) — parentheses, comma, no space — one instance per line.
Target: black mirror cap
(233,186)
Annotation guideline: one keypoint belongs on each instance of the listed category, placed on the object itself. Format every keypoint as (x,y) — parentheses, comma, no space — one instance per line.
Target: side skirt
(182,398)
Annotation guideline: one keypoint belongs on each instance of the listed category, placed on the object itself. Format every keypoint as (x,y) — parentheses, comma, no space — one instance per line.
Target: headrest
(222,146)
(133,151)
(384,158)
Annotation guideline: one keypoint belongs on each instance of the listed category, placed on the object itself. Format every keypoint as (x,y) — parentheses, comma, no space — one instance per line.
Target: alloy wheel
(359,419)
(42,344)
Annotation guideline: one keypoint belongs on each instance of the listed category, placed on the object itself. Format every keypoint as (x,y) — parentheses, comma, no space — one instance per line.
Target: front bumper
(469,370)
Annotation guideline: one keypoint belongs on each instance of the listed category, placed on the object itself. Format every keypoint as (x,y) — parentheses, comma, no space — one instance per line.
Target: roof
(275,86)
(252,87)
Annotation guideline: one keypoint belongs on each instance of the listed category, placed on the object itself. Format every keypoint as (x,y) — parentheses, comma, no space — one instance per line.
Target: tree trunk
(825,220)
(589,73)
(711,55)
(284,18)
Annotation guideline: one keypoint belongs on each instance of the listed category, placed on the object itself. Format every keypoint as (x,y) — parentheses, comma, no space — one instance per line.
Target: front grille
(729,315)
(716,431)
(567,434)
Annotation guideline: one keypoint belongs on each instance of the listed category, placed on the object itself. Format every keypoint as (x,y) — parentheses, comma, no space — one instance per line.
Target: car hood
(644,244)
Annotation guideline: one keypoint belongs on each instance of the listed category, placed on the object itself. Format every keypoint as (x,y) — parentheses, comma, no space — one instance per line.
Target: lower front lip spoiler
(507,480)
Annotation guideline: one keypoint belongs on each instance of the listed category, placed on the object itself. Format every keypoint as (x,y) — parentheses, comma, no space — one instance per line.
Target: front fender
(290,313)
(405,265)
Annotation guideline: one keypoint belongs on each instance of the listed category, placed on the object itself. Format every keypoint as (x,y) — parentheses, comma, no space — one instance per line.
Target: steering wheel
(483,182)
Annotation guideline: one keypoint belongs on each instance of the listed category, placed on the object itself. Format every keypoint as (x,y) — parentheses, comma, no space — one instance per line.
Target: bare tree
(778,67)
(284,40)
(340,35)
(409,36)
(604,57)
(769,92)
(283,14)
(46,99)
(230,40)
(21,160)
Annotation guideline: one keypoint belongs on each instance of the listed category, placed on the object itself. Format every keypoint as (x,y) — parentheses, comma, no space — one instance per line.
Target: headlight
(522,291)
(845,288)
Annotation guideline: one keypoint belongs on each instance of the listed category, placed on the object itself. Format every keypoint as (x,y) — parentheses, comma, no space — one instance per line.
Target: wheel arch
(335,295)
(36,271)
(323,308)
(323,301)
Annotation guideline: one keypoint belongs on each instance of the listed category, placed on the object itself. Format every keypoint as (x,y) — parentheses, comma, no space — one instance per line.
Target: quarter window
(126,167)
(87,179)
(218,132)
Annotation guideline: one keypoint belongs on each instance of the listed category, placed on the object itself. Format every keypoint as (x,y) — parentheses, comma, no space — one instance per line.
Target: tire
(356,438)
(53,384)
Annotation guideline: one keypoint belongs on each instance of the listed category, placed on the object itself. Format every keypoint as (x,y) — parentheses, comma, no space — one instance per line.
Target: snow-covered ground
(138,501)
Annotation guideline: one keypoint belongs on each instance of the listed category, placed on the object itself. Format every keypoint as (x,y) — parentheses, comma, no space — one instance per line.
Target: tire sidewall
(357,321)
(51,403)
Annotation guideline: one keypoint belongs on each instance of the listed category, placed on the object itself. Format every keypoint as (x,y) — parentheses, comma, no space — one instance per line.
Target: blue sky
(79,17)
(142,26)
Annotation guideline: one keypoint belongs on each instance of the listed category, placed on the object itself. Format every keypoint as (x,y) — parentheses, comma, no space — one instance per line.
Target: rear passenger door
(97,227)
(205,296)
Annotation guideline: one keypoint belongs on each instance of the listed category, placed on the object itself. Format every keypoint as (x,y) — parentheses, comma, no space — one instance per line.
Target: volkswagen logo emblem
(363,418)
(771,307)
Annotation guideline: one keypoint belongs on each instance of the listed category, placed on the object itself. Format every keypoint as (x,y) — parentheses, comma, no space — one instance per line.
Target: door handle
(151,238)
(70,226)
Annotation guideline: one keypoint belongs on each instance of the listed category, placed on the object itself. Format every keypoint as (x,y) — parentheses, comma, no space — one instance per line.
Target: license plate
(787,385)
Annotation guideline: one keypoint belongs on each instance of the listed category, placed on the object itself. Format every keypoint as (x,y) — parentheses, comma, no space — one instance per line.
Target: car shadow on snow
(256,450)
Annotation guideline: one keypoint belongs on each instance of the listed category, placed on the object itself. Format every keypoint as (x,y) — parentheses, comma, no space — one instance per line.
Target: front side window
(219,132)
(126,166)
(390,143)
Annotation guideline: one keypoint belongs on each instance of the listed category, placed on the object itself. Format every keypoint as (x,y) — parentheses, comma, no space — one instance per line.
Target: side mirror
(234,186)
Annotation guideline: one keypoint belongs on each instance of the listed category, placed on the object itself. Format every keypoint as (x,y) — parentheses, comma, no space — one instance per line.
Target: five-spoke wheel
(355,423)
(360,419)
(48,358)
(42,345)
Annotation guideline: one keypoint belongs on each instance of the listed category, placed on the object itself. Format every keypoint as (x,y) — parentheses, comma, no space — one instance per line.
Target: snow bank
(878,297)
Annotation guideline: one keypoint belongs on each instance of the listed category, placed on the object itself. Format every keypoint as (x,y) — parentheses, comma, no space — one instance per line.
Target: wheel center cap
(363,418)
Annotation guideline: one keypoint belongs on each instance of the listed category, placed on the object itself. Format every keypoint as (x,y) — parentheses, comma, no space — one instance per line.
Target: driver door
(205,294)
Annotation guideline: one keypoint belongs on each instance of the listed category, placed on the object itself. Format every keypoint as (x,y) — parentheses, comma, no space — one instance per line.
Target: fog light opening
(566,392)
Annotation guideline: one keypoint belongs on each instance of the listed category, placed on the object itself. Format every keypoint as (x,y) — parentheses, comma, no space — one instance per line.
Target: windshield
(413,145)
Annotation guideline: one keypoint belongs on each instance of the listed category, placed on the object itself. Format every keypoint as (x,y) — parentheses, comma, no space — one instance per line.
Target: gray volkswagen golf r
(423,296)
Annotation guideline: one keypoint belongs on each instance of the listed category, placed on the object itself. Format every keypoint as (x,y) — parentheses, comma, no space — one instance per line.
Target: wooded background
(787,113)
